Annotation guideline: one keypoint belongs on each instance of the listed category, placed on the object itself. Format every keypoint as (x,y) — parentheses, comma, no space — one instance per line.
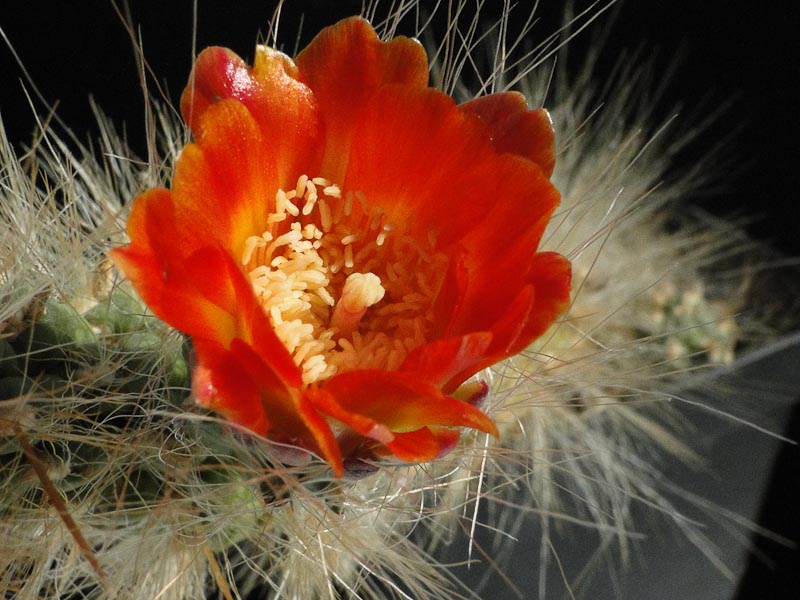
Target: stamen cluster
(342,288)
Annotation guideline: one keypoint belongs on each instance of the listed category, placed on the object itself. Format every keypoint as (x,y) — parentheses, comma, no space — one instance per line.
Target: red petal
(500,254)
(551,278)
(287,112)
(325,441)
(402,402)
(293,418)
(344,65)
(505,332)
(525,201)
(219,280)
(449,301)
(533,310)
(416,446)
(215,277)
(419,445)
(219,383)
(526,317)
(326,403)
(446,439)
(204,295)
(237,384)
(443,360)
(157,271)
(516,129)
(432,167)
(422,445)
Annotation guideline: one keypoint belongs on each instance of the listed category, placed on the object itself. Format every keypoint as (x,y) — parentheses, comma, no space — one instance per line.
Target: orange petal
(446,439)
(225,184)
(510,318)
(288,114)
(516,129)
(344,65)
(214,276)
(423,162)
(151,212)
(218,73)
(525,201)
(172,295)
(204,294)
(432,168)
(506,330)
(547,278)
(283,107)
(526,317)
(236,384)
(324,440)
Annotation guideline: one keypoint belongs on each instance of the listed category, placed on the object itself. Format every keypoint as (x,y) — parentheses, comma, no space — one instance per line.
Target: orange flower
(346,246)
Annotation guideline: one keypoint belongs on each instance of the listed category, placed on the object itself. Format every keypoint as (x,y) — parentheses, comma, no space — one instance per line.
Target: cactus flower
(346,245)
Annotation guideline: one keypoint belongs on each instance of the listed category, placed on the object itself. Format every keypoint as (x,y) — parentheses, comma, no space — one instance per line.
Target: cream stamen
(361,290)
(324,259)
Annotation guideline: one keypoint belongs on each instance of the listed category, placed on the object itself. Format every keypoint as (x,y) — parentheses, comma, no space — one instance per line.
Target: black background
(726,50)
(740,51)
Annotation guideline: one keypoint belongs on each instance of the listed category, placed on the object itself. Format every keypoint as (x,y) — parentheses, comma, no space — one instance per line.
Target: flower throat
(342,289)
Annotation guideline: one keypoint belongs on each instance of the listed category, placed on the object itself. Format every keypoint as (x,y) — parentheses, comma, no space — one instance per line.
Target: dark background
(726,50)
(735,50)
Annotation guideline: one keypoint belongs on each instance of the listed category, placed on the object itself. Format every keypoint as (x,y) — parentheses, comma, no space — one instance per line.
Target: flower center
(342,289)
